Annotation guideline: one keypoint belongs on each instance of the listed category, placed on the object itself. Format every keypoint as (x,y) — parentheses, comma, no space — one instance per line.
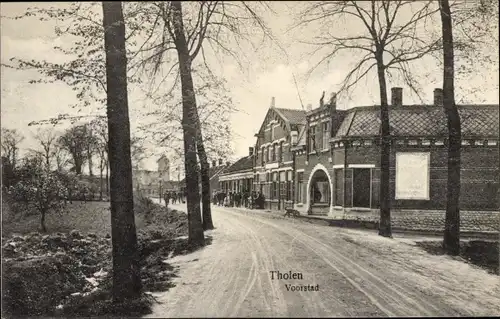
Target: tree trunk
(78,166)
(385,153)
(101,168)
(107,177)
(42,222)
(89,152)
(451,242)
(89,158)
(205,179)
(196,236)
(126,271)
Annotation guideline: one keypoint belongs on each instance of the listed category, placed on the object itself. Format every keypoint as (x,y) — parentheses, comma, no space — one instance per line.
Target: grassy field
(34,263)
(90,217)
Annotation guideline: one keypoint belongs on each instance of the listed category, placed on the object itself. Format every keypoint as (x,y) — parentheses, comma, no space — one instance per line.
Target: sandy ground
(358,274)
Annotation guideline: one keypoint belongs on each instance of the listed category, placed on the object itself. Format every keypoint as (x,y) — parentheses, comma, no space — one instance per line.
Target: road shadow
(157,273)
(481,253)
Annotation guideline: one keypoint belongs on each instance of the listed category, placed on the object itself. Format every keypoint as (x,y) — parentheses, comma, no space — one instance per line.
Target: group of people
(176,197)
(254,200)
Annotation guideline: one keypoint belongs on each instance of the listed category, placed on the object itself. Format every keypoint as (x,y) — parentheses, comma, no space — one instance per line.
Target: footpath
(425,224)
(401,226)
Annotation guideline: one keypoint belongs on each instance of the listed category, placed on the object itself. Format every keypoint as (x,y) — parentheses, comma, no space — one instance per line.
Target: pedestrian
(166,198)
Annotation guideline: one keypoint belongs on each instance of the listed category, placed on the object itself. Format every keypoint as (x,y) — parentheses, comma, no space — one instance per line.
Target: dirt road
(345,273)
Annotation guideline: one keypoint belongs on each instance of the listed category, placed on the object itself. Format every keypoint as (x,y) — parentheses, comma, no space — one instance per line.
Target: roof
(216,170)
(293,116)
(243,164)
(171,184)
(420,120)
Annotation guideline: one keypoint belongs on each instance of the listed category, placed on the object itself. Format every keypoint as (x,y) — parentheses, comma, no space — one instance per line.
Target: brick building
(325,161)
(343,174)
(238,177)
(273,163)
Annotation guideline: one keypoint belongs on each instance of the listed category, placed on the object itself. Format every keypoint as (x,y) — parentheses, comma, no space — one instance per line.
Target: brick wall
(480,174)
(473,221)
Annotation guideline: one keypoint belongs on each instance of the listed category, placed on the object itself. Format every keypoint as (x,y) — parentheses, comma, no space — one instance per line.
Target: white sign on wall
(412,175)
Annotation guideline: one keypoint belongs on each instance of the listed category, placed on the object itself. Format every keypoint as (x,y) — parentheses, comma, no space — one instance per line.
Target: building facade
(325,160)
(150,183)
(418,159)
(238,177)
(273,162)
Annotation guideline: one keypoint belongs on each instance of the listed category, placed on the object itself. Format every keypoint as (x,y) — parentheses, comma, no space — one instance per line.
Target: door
(361,187)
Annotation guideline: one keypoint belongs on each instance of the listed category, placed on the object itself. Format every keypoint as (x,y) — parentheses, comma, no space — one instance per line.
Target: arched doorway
(319,191)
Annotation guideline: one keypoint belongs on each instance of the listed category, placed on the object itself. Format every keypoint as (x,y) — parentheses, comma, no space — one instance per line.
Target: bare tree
(472,23)
(219,25)
(11,139)
(126,271)
(48,139)
(384,42)
(60,156)
(100,128)
(225,25)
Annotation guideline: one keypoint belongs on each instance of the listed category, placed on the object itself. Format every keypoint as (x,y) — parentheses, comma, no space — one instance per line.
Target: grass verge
(68,272)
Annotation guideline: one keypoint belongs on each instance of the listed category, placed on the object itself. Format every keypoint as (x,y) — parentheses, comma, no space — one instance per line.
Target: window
(319,137)
(274,194)
(274,152)
(269,153)
(326,135)
(280,158)
(339,186)
(262,156)
(289,188)
(300,183)
(312,138)
(272,132)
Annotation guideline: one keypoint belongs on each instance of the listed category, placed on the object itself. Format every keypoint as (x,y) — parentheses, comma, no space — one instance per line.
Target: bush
(143,205)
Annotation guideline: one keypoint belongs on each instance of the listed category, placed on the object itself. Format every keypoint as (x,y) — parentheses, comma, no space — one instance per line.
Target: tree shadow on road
(157,273)
(478,252)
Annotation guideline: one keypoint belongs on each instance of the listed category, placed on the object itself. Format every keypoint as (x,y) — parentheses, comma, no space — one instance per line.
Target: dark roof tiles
(294,116)
(421,120)
(244,163)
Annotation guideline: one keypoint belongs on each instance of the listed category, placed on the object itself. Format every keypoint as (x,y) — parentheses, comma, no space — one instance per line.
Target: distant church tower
(164,167)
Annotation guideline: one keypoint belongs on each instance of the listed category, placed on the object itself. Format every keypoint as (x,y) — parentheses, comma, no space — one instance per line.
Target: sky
(272,75)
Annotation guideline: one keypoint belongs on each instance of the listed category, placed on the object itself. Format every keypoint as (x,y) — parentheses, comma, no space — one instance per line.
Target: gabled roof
(293,116)
(420,120)
(243,164)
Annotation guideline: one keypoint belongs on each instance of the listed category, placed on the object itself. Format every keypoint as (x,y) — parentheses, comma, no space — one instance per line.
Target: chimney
(250,151)
(214,163)
(438,97)
(220,161)
(273,101)
(333,101)
(309,107)
(397,96)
